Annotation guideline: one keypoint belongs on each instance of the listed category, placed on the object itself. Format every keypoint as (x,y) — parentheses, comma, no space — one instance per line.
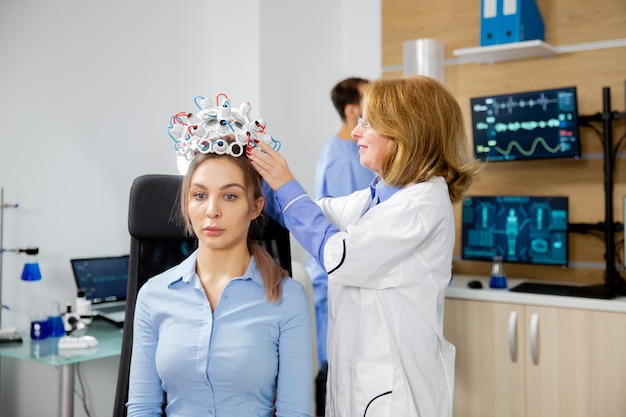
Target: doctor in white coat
(387,250)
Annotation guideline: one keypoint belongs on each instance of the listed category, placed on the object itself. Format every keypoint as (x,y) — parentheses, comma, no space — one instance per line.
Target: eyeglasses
(363,123)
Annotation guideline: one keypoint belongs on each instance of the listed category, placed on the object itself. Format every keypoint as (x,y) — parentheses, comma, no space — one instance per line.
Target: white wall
(86,92)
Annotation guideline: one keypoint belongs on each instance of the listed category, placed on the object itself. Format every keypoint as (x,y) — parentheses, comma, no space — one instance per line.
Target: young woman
(226,332)
(387,250)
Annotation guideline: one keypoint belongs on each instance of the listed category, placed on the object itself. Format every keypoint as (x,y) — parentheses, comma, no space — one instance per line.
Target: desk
(47,351)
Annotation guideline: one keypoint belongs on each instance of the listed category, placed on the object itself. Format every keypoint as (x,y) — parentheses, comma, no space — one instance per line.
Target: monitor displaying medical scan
(530,125)
(521,229)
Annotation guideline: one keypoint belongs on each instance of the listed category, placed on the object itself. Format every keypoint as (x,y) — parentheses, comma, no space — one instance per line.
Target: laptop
(104,280)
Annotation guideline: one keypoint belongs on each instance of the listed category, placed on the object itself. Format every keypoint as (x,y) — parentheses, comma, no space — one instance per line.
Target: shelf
(506,52)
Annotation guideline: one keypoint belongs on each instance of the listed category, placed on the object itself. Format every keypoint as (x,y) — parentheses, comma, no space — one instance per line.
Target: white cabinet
(532,360)
(487,382)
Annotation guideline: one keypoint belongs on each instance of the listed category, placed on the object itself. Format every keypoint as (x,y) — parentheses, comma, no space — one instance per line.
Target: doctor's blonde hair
(425,125)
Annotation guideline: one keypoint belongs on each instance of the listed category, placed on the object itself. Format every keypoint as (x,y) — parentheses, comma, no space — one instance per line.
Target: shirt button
(225,297)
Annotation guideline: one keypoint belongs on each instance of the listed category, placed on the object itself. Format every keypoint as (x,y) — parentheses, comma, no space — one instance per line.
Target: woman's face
(219,208)
(371,144)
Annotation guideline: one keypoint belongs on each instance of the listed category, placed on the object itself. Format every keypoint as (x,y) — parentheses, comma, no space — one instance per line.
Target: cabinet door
(489,381)
(579,369)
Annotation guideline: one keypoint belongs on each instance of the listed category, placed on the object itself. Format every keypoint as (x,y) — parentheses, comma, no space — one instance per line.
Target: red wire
(262,128)
(178,115)
(218,96)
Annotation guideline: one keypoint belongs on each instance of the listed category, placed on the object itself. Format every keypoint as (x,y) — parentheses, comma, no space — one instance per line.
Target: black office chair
(158,242)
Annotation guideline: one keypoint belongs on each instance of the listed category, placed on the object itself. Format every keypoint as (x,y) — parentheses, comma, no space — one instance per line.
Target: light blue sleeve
(319,282)
(303,217)
(145,395)
(295,350)
(271,207)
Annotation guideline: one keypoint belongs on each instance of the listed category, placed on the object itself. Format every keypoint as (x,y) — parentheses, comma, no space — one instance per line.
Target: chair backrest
(158,242)
(302,276)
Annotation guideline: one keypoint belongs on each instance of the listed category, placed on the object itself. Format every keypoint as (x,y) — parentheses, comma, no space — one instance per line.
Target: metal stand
(613,283)
(66,382)
(3,206)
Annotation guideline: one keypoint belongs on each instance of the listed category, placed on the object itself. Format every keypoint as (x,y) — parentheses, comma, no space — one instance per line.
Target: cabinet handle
(513,335)
(534,326)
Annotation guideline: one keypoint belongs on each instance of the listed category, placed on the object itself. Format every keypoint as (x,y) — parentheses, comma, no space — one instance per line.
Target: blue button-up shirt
(246,358)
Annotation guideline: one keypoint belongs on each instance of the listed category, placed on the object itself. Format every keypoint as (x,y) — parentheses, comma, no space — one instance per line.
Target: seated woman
(225,332)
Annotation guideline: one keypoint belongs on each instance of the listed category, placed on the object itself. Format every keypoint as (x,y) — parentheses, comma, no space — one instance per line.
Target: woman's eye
(230,197)
(199,195)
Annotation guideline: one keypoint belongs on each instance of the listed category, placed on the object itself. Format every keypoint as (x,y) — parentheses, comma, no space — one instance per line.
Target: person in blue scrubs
(226,332)
(338,172)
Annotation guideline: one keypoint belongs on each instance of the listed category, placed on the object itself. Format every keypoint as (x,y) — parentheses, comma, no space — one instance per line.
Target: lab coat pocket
(373,385)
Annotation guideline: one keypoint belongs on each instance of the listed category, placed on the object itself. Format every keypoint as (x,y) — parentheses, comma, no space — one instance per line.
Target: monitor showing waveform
(530,125)
(521,229)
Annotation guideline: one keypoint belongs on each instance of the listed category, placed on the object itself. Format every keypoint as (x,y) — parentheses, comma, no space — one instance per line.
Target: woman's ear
(257,208)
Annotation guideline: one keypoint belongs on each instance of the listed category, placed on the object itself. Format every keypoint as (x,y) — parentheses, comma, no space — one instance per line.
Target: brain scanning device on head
(219,128)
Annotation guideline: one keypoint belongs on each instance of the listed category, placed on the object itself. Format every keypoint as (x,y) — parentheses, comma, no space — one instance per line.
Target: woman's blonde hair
(272,272)
(427,137)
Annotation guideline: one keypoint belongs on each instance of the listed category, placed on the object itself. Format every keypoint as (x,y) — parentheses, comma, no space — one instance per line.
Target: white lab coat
(388,271)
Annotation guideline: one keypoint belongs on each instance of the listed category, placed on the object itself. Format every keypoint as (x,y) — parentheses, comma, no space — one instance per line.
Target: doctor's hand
(270,164)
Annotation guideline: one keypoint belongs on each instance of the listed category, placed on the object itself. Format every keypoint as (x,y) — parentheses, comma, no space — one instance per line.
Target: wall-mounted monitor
(521,229)
(529,125)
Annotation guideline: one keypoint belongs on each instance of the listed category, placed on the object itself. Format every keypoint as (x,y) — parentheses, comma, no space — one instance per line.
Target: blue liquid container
(498,282)
(56,326)
(39,328)
(31,272)
(498,277)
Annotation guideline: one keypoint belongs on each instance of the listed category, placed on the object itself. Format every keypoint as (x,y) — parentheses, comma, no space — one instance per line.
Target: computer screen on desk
(521,229)
(104,279)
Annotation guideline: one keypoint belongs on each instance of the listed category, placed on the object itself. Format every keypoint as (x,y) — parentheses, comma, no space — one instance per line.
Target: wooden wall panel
(567,22)
(457,23)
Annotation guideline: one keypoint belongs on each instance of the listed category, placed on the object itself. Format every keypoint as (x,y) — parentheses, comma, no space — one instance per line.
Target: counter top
(458,289)
(47,350)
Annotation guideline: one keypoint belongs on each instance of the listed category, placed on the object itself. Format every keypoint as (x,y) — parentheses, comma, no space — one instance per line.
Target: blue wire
(169,132)
(195,100)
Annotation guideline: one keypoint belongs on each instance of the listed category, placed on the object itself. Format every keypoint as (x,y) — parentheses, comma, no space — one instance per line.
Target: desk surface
(459,289)
(47,350)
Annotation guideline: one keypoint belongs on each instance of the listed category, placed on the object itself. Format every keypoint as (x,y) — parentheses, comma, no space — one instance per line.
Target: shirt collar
(186,271)
(382,191)
(253,273)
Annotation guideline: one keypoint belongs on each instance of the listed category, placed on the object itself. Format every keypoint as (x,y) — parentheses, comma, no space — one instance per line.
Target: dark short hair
(346,92)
